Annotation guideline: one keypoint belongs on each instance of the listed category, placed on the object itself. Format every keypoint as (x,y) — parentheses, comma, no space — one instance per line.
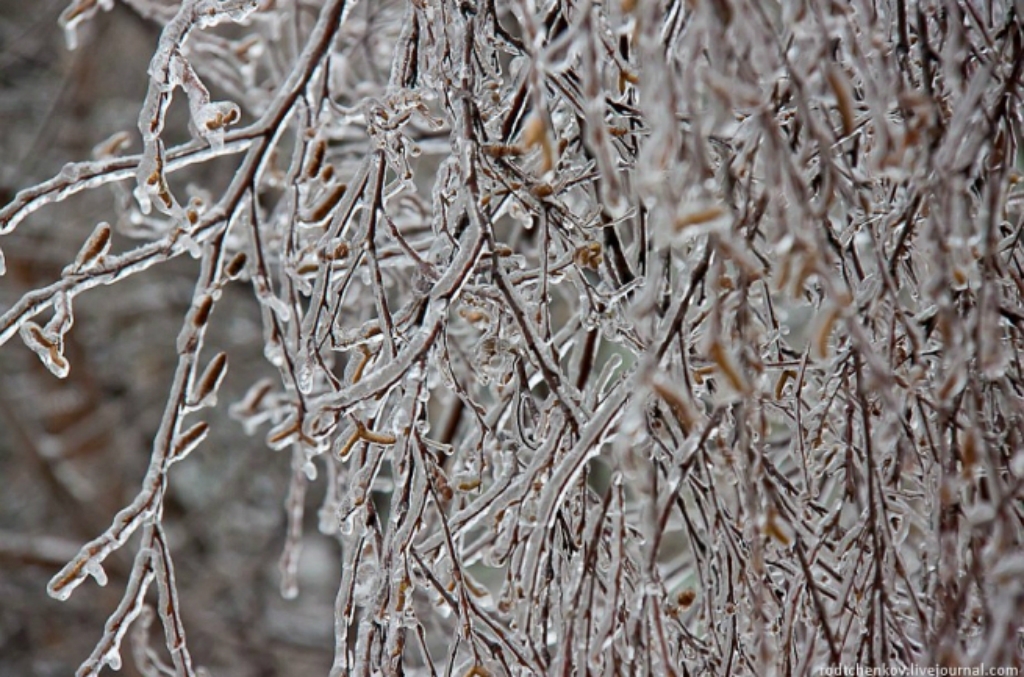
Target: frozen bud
(112,145)
(78,12)
(205,392)
(46,347)
(95,248)
(187,441)
(212,119)
(235,266)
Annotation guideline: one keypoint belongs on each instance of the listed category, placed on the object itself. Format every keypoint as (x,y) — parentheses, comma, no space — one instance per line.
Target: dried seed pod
(501,150)
(95,247)
(307,267)
(699,217)
(34,337)
(328,203)
(235,266)
(778,529)
(726,363)
(112,145)
(953,383)
(474,315)
(250,404)
(543,190)
(686,597)
(444,490)
(375,437)
(627,77)
(201,311)
(536,134)
(187,441)
(589,255)
(535,131)
(360,366)
(46,347)
(780,385)
(824,331)
(335,251)
(346,448)
(205,392)
(700,374)
(316,158)
(469,484)
(283,434)
(840,85)
(682,411)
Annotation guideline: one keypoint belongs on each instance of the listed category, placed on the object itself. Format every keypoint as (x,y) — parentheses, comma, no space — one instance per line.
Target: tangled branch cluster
(626,337)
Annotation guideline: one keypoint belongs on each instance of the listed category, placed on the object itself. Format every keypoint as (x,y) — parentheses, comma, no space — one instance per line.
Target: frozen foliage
(625,337)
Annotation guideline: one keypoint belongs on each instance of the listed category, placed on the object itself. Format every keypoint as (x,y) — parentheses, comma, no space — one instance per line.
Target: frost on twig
(618,338)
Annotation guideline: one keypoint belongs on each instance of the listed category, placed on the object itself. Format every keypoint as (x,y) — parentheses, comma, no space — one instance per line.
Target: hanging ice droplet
(3,264)
(304,372)
(142,197)
(1017,464)
(328,520)
(289,586)
(348,525)
(277,306)
(70,37)
(400,421)
(309,468)
(274,353)
(95,569)
(113,659)
(190,244)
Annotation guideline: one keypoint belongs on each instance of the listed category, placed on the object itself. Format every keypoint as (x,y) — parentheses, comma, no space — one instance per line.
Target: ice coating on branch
(209,119)
(212,13)
(586,316)
(78,12)
(168,70)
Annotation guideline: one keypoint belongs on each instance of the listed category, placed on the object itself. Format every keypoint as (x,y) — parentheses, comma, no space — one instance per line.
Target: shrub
(616,338)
